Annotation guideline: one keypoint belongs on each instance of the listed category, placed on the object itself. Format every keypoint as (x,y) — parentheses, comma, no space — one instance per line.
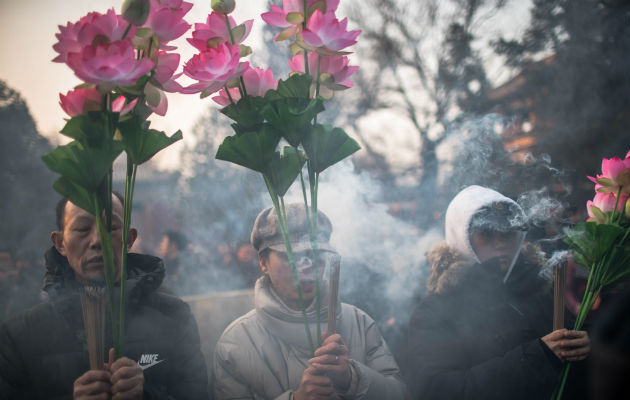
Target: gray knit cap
(267,234)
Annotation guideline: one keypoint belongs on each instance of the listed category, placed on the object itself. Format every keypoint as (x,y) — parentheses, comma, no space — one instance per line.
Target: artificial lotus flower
(334,71)
(215,31)
(327,35)
(257,82)
(291,15)
(166,20)
(213,68)
(108,27)
(615,174)
(164,74)
(81,101)
(112,64)
(604,203)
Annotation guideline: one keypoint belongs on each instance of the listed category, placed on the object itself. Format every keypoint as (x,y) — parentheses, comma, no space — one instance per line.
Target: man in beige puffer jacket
(265,353)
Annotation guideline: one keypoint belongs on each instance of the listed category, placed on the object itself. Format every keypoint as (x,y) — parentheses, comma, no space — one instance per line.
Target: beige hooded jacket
(263,354)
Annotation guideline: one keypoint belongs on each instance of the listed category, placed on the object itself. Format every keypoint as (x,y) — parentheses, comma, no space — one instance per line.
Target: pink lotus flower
(334,72)
(604,203)
(215,31)
(615,174)
(257,82)
(81,101)
(109,63)
(166,20)
(327,35)
(108,27)
(291,15)
(164,75)
(213,68)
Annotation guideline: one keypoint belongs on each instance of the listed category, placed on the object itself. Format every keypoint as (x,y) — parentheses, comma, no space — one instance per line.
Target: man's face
(80,244)
(493,244)
(279,270)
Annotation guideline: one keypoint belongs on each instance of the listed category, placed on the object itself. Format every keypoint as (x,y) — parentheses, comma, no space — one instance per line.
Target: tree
(419,57)
(28,200)
(576,99)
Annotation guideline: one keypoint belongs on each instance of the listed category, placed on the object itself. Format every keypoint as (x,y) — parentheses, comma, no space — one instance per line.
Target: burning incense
(558,296)
(93,307)
(333,295)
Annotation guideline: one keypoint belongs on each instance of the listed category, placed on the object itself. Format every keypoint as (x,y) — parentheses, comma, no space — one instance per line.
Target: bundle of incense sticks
(333,295)
(93,307)
(558,297)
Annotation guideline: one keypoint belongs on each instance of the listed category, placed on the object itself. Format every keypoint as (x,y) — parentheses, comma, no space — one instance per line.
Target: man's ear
(56,237)
(263,265)
(133,235)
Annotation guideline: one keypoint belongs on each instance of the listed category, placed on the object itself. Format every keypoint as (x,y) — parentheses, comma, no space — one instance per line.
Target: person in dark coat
(482,330)
(43,351)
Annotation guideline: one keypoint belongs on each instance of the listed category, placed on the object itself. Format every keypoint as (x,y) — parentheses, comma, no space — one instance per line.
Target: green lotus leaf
(85,166)
(326,146)
(297,85)
(591,241)
(284,167)
(252,150)
(246,112)
(77,195)
(292,116)
(92,129)
(141,144)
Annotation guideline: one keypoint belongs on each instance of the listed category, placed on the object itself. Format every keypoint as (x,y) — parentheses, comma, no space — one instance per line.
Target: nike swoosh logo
(150,365)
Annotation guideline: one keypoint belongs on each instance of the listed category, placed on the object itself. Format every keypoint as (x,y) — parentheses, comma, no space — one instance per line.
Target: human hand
(568,345)
(314,386)
(93,385)
(127,378)
(332,359)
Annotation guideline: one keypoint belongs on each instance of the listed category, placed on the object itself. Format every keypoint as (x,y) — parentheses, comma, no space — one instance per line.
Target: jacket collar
(286,323)
(145,274)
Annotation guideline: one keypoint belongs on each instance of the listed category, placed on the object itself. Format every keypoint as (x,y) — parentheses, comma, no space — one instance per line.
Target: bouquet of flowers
(126,64)
(267,112)
(601,243)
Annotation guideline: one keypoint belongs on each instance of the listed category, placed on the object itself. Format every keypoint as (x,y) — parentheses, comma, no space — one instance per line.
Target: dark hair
(177,238)
(264,253)
(60,209)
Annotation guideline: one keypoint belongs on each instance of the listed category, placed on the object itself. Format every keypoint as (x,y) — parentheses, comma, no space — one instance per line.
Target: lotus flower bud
(222,6)
(136,12)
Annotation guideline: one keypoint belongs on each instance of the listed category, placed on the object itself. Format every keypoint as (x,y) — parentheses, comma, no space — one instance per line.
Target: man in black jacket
(43,351)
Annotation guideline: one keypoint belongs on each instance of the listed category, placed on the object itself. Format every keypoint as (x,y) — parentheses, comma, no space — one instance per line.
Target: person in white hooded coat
(483,329)
(265,354)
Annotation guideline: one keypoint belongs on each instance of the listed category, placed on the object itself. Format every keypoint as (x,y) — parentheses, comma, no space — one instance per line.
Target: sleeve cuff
(354,382)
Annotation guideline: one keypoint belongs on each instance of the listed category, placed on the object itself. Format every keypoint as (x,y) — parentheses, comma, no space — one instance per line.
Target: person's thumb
(111,359)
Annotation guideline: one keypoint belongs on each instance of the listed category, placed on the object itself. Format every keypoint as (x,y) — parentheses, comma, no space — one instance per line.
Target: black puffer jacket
(43,350)
(473,337)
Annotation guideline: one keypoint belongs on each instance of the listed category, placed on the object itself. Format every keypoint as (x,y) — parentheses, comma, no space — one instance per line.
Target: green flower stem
(108,261)
(612,216)
(314,255)
(242,87)
(314,183)
(319,63)
(287,243)
(130,181)
(126,31)
(304,27)
(229,96)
